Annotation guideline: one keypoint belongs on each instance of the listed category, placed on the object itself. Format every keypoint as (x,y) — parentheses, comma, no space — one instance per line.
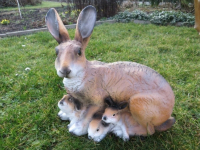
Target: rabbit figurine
(149,95)
(79,116)
(124,124)
(70,109)
(98,129)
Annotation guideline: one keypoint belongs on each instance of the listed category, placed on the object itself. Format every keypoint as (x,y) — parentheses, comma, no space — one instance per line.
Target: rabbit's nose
(65,71)
(61,102)
(89,137)
(104,118)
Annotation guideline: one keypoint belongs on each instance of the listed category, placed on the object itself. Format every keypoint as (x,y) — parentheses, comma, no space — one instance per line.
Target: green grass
(44,4)
(28,99)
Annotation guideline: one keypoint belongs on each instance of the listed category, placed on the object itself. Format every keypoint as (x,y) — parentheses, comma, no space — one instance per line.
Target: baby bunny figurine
(81,126)
(79,117)
(124,124)
(70,109)
(98,129)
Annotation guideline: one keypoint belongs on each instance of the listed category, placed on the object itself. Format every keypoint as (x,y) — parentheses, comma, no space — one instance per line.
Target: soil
(31,19)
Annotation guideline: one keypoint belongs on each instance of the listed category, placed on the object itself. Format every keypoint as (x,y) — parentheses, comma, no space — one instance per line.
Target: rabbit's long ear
(108,100)
(56,27)
(122,105)
(85,24)
(77,104)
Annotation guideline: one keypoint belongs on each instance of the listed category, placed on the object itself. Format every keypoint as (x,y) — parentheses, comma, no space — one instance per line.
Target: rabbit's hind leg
(149,110)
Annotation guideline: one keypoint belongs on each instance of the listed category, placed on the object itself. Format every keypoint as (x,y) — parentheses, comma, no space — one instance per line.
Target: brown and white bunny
(149,95)
(79,116)
(115,120)
(124,124)
(98,129)
(81,126)
(70,109)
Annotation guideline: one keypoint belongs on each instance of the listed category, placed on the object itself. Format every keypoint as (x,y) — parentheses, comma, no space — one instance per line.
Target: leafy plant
(24,27)
(62,15)
(5,22)
(73,13)
(127,16)
(171,17)
(157,17)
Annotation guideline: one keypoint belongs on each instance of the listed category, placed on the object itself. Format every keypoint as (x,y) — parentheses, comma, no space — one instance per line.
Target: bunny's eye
(70,99)
(97,130)
(79,52)
(113,114)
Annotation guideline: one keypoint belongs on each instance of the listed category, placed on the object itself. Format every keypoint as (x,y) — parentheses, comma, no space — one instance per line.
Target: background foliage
(13,3)
(157,17)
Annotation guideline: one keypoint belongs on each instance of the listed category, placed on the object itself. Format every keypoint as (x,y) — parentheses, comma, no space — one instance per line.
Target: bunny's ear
(56,27)
(108,100)
(77,104)
(85,24)
(122,105)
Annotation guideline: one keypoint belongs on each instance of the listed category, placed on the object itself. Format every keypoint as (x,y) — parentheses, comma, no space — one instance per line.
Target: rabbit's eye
(70,99)
(113,114)
(79,52)
(97,130)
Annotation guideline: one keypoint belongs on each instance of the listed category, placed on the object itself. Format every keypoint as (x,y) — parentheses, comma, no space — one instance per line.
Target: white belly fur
(73,84)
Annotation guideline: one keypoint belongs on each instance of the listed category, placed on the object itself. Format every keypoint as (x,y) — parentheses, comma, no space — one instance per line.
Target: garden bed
(31,19)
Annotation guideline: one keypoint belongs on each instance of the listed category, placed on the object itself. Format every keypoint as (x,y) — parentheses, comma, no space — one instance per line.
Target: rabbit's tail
(166,125)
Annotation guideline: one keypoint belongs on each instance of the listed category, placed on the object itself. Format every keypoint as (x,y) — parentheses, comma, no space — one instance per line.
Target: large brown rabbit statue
(149,95)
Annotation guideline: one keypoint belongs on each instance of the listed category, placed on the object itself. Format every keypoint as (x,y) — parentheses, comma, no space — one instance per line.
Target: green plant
(5,22)
(75,13)
(127,16)
(72,13)
(171,17)
(157,17)
(24,27)
(62,15)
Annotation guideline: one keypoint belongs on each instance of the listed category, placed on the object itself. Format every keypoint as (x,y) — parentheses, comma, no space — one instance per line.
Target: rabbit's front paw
(77,130)
(72,127)
(126,139)
(62,115)
(118,133)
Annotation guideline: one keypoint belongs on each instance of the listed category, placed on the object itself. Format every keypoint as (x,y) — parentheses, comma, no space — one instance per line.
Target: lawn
(45,4)
(28,98)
